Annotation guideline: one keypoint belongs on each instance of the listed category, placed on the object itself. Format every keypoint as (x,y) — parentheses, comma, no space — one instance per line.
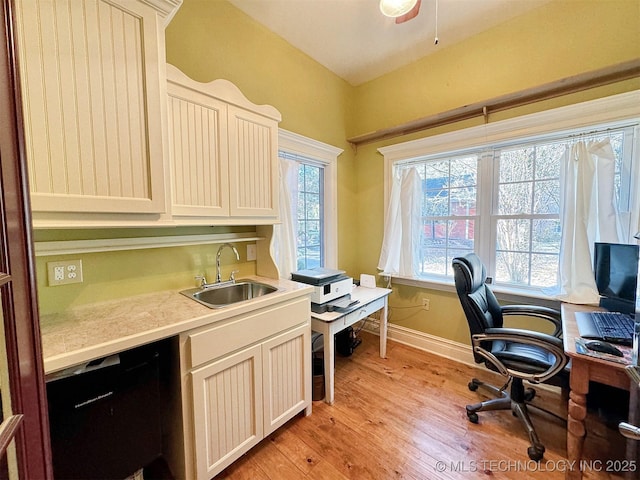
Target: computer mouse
(603,347)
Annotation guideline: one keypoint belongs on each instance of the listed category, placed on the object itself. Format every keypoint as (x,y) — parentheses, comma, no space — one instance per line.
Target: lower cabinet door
(287,376)
(227,415)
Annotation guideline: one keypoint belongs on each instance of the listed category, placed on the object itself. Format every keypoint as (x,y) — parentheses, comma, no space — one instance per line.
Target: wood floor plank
(404,417)
(246,468)
(346,449)
(323,470)
(300,453)
(275,464)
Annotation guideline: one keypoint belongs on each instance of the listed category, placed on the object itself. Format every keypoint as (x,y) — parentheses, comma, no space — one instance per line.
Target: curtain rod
(564,86)
(563,137)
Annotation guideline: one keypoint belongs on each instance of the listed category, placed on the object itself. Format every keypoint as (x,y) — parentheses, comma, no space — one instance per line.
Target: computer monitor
(616,272)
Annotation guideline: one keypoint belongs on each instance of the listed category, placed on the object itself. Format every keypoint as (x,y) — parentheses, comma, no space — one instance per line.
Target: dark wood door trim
(8,431)
(19,297)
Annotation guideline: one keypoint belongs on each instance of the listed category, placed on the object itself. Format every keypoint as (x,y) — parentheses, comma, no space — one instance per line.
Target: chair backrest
(479,304)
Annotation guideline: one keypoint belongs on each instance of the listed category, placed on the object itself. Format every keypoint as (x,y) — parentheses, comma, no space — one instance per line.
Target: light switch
(251,252)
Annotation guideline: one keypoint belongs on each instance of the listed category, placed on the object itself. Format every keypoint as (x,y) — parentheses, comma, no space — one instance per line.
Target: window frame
(616,110)
(326,156)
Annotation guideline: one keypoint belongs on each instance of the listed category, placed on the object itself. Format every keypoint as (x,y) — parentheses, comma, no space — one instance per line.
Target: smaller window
(310,244)
(316,199)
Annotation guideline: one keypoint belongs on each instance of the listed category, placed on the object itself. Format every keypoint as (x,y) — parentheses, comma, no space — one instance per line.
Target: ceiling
(356,42)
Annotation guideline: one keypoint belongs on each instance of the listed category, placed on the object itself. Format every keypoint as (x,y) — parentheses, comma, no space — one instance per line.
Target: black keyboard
(614,327)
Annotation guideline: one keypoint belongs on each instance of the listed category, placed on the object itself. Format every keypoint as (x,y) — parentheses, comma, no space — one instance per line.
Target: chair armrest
(545,341)
(549,314)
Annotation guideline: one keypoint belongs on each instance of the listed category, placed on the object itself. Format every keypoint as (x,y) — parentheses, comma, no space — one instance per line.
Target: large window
(502,199)
(523,181)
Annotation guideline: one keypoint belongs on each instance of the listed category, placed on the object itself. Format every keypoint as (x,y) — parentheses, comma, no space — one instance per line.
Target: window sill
(505,294)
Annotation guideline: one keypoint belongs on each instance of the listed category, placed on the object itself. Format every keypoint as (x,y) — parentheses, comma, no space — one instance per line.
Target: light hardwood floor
(404,418)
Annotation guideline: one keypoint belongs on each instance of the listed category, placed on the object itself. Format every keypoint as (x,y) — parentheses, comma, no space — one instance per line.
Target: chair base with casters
(516,401)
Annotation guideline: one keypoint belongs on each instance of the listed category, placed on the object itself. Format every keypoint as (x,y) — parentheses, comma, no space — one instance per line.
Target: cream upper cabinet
(198,148)
(253,164)
(224,153)
(93,90)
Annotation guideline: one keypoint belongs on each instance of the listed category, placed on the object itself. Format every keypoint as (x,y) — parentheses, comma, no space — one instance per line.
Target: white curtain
(283,245)
(588,214)
(402,227)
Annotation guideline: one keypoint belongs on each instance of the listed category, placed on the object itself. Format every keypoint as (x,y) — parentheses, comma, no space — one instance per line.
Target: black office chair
(517,354)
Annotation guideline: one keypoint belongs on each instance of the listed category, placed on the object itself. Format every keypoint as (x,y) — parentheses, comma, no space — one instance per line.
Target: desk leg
(329,365)
(633,446)
(383,329)
(576,430)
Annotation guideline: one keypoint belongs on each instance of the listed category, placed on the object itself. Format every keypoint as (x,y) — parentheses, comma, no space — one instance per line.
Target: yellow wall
(558,40)
(211,39)
(109,275)
(118,274)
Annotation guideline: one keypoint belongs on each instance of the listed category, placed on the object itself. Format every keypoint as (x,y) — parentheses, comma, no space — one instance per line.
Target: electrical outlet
(251,252)
(426,303)
(63,273)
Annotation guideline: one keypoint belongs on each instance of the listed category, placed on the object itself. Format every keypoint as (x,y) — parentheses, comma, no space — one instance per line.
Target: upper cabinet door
(223,154)
(253,164)
(93,87)
(197,147)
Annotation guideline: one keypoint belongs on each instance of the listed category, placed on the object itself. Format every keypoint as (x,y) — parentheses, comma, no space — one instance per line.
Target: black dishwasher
(104,416)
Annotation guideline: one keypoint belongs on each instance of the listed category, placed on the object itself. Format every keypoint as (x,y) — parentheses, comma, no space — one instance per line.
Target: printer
(331,288)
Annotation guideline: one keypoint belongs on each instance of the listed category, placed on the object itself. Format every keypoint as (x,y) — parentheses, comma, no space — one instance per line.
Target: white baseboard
(429,343)
(443,347)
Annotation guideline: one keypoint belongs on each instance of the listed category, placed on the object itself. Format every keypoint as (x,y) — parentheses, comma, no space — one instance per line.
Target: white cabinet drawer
(362,312)
(215,341)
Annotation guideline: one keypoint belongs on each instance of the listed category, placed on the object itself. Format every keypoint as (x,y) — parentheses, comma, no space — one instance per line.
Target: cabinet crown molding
(221,89)
(165,8)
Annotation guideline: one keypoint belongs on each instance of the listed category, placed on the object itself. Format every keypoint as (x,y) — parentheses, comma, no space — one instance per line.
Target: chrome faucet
(218,276)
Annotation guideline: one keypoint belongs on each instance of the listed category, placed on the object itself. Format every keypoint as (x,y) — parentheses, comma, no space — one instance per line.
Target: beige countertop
(92,331)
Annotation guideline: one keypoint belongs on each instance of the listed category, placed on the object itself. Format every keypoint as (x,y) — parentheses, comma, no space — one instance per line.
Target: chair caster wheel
(472,416)
(473,386)
(535,452)
(529,394)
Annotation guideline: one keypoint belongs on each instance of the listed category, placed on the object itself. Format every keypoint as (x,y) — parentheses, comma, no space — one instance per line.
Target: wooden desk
(329,323)
(583,369)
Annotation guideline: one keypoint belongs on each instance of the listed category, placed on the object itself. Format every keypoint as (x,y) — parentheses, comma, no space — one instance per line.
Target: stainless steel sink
(218,296)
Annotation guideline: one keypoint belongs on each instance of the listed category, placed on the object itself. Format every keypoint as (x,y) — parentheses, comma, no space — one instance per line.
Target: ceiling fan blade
(410,14)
